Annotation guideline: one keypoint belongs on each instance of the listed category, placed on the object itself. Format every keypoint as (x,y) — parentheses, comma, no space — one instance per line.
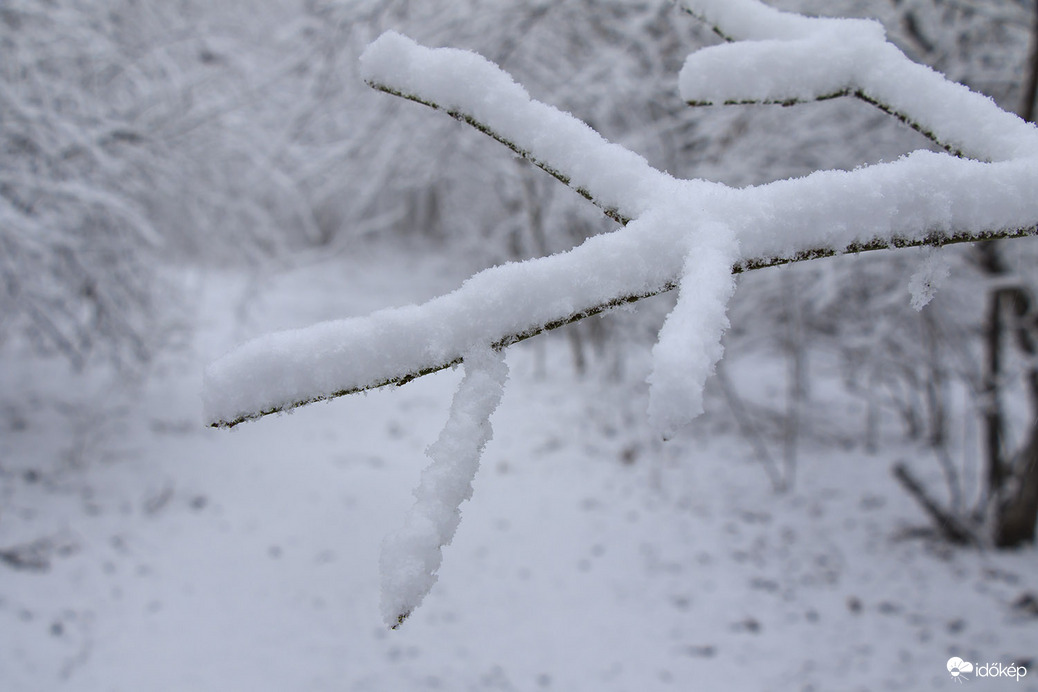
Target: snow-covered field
(142,551)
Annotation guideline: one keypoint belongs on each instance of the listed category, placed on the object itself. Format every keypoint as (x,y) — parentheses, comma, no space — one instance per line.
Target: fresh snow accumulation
(412,556)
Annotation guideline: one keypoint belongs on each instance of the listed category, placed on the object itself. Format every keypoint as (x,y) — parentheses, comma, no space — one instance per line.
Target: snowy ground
(144,552)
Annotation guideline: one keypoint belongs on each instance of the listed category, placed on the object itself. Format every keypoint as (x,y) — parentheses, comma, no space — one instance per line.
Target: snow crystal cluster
(684,233)
(927,278)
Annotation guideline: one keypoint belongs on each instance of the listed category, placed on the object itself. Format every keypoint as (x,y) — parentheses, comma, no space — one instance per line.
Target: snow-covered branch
(294,349)
(692,235)
(922,199)
(778,57)
(612,177)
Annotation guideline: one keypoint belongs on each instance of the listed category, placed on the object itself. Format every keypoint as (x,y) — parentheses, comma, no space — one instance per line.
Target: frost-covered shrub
(76,249)
(127,148)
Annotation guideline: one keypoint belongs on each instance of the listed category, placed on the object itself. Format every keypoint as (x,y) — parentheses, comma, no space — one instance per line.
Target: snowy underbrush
(591,556)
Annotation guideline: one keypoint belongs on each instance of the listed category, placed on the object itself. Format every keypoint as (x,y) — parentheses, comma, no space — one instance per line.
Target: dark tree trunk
(1012,479)
(1018,515)
(1031,78)
(991,399)
(1018,509)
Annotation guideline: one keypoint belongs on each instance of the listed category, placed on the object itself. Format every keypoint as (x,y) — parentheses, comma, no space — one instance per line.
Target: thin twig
(749,428)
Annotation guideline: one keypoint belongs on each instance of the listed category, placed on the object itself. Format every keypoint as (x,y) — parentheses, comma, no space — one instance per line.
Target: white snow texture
(412,555)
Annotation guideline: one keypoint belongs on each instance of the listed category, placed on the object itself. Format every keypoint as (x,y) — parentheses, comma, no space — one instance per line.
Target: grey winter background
(178,177)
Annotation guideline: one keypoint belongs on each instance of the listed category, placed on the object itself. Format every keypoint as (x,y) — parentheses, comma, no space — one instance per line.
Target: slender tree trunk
(936,383)
(1018,515)
(1017,512)
(1012,480)
(1030,90)
(993,430)
(796,378)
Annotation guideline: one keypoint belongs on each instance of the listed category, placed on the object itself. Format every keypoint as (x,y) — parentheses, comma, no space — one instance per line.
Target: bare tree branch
(948,523)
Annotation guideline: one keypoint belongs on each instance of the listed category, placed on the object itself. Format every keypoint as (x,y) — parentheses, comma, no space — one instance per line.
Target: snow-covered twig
(487,98)
(412,555)
(778,57)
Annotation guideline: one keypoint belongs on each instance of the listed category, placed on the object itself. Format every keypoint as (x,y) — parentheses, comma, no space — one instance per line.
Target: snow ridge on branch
(474,90)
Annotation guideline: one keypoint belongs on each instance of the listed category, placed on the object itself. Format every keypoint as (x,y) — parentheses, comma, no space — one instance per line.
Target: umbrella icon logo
(956,666)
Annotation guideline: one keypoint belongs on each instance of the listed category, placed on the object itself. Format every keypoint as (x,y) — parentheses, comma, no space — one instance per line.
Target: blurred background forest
(147,144)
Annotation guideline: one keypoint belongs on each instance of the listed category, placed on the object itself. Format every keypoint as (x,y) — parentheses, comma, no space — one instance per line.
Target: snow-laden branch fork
(924,198)
(693,235)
